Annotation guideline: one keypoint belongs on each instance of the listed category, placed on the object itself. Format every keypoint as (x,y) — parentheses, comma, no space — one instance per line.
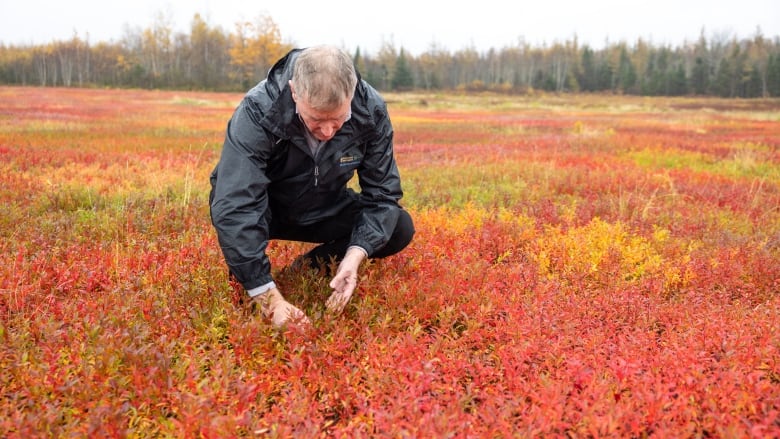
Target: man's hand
(274,307)
(345,281)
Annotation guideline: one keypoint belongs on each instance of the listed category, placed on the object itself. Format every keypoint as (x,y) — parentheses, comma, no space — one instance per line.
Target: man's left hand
(345,281)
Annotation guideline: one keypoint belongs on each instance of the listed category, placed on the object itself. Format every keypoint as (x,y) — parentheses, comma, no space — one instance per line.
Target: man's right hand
(274,307)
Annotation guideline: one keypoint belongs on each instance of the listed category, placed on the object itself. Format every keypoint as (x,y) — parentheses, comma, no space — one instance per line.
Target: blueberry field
(584,266)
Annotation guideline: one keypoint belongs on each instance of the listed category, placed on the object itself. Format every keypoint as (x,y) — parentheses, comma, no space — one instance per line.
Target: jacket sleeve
(238,199)
(380,186)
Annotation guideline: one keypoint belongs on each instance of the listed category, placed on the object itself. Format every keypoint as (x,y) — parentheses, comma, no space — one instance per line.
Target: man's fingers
(334,301)
(288,313)
(343,285)
(337,301)
(337,284)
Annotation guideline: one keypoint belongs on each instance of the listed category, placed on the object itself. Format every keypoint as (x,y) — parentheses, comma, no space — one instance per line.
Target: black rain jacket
(266,168)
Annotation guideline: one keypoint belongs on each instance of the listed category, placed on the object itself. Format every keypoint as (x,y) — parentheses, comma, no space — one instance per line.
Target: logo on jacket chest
(349,160)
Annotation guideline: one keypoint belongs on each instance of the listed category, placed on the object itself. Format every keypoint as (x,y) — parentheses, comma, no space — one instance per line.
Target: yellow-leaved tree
(255,46)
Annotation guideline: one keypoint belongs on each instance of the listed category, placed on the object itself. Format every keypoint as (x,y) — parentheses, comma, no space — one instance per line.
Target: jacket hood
(280,74)
(270,102)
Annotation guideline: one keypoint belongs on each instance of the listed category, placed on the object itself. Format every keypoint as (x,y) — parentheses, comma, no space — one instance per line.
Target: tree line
(209,58)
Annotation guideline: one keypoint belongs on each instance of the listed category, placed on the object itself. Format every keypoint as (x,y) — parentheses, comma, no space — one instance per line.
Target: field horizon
(584,266)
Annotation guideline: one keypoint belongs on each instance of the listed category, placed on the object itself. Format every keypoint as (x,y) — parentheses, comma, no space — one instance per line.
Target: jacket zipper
(317,168)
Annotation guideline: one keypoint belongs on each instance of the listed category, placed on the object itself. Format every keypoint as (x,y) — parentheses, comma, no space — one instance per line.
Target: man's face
(322,124)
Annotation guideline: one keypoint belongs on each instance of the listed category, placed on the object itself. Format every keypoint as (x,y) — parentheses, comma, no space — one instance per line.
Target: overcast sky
(412,24)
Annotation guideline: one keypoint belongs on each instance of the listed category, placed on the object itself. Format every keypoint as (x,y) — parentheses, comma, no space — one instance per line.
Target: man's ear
(292,89)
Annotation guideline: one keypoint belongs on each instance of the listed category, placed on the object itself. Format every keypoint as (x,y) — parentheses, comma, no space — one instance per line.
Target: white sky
(412,24)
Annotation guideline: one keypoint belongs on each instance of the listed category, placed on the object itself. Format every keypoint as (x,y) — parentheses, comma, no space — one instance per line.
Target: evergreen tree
(700,77)
(722,86)
(773,75)
(402,75)
(627,75)
(358,61)
(678,83)
(587,76)
(604,76)
(753,84)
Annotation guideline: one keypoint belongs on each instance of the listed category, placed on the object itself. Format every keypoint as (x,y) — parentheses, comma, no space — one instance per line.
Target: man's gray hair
(324,76)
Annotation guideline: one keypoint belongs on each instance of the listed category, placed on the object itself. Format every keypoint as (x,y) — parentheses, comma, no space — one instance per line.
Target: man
(290,148)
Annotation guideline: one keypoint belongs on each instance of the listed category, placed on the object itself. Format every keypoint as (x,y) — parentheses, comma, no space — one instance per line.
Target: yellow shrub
(594,248)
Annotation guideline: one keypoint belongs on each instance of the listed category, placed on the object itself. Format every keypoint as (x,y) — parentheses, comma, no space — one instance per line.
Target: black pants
(334,234)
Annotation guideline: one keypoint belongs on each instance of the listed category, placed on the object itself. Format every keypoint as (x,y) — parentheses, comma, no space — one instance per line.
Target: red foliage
(575,273)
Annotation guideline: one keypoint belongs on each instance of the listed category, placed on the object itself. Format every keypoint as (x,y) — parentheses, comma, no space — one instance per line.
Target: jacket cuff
(365,253)
(251,274)
(262,289)
(362,245)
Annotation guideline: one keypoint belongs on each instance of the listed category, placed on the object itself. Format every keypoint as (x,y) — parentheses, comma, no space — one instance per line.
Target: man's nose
(328,130)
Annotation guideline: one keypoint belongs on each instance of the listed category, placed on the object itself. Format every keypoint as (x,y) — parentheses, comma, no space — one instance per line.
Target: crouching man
(290,148)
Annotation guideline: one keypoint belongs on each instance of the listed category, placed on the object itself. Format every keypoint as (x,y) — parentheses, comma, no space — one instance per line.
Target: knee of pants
(402,236)
(405,228)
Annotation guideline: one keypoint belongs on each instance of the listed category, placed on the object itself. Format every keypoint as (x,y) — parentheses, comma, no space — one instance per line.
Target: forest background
(213,59)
